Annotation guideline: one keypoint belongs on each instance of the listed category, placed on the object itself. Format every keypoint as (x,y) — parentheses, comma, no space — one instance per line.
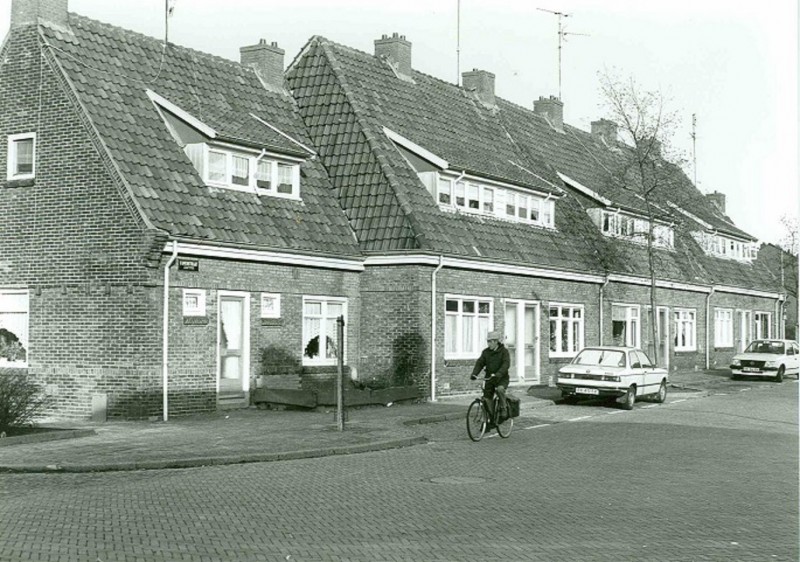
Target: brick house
(173,217)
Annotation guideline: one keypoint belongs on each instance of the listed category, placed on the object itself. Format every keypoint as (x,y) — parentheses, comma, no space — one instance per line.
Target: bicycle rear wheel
(476,420)
(504,427)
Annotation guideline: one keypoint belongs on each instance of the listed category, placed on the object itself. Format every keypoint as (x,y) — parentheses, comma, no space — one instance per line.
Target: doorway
(522,340)
(662,333)
(745,329)
(233,343)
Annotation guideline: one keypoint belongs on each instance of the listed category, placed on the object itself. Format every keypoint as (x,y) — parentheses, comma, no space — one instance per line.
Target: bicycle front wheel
(504,428)
(476,420)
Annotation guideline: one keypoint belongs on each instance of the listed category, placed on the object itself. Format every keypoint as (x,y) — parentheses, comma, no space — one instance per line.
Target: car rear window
(765,347)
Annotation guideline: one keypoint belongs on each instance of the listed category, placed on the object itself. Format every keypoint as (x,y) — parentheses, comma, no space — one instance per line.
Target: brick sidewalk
(254,435)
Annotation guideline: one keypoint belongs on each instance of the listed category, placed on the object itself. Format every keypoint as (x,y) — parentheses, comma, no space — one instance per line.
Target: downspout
(779,328)
(165,331)
(603,286)
(708,327)
(433,328)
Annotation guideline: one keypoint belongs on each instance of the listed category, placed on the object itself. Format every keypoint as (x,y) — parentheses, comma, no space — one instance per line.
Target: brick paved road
(703,479)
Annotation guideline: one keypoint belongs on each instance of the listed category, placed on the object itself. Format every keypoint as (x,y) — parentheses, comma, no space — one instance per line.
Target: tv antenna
(562,37)
(694,147)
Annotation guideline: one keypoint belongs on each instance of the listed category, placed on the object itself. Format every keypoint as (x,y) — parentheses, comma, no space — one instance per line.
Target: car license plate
(751,369)
(587,391)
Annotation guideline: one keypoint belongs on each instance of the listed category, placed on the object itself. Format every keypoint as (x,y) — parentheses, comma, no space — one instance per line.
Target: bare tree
(644,167)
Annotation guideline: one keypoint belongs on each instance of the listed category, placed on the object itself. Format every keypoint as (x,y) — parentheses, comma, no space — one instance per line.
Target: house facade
(176,222)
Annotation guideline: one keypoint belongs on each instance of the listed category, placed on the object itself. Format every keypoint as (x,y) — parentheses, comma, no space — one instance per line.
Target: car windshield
(765,347)
(600,357)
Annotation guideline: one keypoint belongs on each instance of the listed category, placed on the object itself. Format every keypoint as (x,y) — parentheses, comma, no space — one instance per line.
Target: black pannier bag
(513,406)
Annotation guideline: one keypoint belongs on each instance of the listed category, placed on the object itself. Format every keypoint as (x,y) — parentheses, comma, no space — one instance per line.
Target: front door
(662,333)
(745,329)
(233,342)
(522,340)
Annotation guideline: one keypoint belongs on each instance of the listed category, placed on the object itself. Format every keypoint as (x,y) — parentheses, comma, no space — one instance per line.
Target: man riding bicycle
(496,360)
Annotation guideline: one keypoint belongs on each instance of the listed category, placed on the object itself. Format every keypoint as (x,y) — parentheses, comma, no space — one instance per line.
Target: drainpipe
(708,326)
(603,286)
(779,318)
(433,328)
(165,328)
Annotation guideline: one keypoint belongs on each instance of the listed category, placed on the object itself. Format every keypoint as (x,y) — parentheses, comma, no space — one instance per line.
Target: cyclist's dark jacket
(496,363)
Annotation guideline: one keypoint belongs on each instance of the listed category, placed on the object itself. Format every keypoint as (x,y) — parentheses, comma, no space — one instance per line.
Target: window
(625,325)
(566,330)
(270,305)
(460,193)
(467,320)
(243,171)
(473,197)
(613,223)
(194,302)
(21,156)
(723,247)
(763,325)
(319,329)
(685,330)
(723,327)
(445,191)
(488,200)
(14,310)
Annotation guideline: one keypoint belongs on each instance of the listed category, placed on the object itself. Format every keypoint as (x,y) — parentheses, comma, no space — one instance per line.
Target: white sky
(733,63)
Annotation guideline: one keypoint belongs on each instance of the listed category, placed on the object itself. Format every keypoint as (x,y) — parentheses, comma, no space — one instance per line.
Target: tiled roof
(111,69)
(347,97)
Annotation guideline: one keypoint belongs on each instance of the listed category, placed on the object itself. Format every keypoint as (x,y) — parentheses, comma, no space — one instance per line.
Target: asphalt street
(695,479)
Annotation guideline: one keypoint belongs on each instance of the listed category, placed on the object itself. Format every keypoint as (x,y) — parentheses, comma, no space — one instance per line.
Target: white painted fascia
(416,149)
(184,115)
(748,292)
(631,280)
(585,190)
(263,256)
(461,263)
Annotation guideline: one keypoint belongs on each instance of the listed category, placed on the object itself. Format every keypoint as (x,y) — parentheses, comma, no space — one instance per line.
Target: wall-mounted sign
(188,264)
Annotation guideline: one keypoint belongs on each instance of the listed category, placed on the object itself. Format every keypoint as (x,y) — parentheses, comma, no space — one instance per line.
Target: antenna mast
(694,147)
(458,43)
(562,34)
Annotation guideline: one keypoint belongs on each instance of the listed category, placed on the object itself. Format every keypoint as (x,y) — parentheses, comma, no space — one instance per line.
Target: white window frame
(723,327)
(321,360)
(200,309)
(25,330)
(460,318)
(757,335)
(573,346)
(273,310)
(633,318)
(684,318)
(11,168)
(253,159)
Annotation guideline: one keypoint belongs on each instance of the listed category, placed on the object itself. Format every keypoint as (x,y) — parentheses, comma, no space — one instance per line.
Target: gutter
(165,332)
(433,328)
(708,325)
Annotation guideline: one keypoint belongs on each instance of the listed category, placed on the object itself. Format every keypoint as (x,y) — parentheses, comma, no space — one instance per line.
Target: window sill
(686,350)
(195,320)
(272,321)
(20,182)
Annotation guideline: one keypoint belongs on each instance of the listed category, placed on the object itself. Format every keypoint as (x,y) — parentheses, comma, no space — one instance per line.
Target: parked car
(767,358)
(610,371)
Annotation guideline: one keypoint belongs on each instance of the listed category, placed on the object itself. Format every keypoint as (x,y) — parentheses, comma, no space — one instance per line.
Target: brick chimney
(605,129)
(482,83)
(553,109)
(397,50)
(29,12)
(267,61)
(718,200)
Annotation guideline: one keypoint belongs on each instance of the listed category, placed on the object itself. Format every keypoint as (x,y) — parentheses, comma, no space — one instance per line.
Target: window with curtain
(319,329)
(685,329)
(625,328)
(723,327)
(467,321)
(14,311)
(241,170)
(21,154)
(566,330)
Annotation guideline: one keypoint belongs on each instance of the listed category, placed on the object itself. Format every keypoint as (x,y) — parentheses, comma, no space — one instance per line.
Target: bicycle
(478,418)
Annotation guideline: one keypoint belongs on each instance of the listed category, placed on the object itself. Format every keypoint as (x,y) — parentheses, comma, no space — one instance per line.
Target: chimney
(267,61)
(30,12)
(605,130)
(397,50)
(482,83)
(553,109)
(718,200)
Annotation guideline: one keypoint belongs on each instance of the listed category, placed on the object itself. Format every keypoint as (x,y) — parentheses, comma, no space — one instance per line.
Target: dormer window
(477,197)
(236,168)
(616,224)
(21,156)
(727,248)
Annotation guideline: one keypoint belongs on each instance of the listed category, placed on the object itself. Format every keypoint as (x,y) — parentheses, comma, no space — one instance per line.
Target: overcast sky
(732,63)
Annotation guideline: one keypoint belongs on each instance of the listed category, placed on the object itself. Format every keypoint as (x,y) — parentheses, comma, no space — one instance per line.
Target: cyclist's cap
(494,335)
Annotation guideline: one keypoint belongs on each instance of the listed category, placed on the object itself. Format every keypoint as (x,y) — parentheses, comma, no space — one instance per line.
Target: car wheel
(734,377)
(569,398)
(630,398)
(779,374)
(661,396)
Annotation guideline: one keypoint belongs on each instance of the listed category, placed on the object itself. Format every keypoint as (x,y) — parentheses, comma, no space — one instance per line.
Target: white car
(767,358)
(619,372)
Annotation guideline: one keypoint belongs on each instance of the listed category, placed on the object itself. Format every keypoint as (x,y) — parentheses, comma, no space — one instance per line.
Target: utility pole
(458,43)
(562,35)
(694,147)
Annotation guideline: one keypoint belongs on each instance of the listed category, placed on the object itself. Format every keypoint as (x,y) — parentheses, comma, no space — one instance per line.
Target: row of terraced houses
(173,220)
